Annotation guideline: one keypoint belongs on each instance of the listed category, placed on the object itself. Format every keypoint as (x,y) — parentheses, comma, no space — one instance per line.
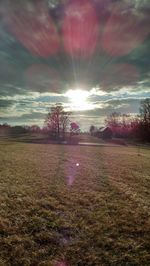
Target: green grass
(101,219)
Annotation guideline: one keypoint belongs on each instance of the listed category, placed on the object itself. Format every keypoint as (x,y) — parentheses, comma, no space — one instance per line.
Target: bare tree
(145,111)
(64,119)
(92,129)
(113,120)
(144,126)
(57,121)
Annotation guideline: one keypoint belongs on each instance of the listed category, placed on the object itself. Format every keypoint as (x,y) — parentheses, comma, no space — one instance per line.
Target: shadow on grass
(34,139)
(75,140)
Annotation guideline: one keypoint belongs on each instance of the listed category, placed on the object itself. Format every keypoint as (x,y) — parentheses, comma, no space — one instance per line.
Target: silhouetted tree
(92,129)
(144,126)
(145,111)
(35,129)
(120,124)
(5,128)
(17,130)
(113,120)
(57,121)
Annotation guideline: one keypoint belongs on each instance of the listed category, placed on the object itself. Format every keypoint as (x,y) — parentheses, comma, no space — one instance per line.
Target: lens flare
(32,25)
(124,32)
(80,28)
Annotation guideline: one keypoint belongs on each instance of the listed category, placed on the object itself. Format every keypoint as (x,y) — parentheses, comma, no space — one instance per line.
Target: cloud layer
(37,68)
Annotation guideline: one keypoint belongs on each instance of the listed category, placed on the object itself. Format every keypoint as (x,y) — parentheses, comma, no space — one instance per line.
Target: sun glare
(79,99)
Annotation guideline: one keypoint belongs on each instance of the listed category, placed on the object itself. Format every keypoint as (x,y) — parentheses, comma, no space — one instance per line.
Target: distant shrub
(17,130)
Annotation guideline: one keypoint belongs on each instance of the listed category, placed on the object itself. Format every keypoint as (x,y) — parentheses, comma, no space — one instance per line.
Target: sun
(78,99)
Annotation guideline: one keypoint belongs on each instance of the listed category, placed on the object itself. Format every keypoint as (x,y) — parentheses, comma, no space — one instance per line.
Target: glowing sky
(91,56)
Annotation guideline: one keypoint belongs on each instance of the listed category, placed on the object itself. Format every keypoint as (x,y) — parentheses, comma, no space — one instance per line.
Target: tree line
(127,126)
(58,123)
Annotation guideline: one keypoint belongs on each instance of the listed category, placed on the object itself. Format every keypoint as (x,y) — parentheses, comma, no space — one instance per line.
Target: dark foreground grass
(54,212)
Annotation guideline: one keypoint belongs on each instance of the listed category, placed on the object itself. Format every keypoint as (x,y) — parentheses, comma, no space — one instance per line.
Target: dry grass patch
(94,213)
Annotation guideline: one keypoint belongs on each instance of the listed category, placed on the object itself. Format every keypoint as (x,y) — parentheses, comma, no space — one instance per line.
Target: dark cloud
(5,103)
(11,90)
(104,108)
(124,105)
(25,118)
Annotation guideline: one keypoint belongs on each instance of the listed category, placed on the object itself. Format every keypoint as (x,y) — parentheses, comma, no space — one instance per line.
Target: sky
(91,56)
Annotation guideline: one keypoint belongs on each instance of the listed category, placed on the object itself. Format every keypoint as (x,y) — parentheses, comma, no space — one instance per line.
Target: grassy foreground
(72,205)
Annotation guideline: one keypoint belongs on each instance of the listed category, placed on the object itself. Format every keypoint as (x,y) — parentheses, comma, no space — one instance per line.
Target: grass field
(74,205)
